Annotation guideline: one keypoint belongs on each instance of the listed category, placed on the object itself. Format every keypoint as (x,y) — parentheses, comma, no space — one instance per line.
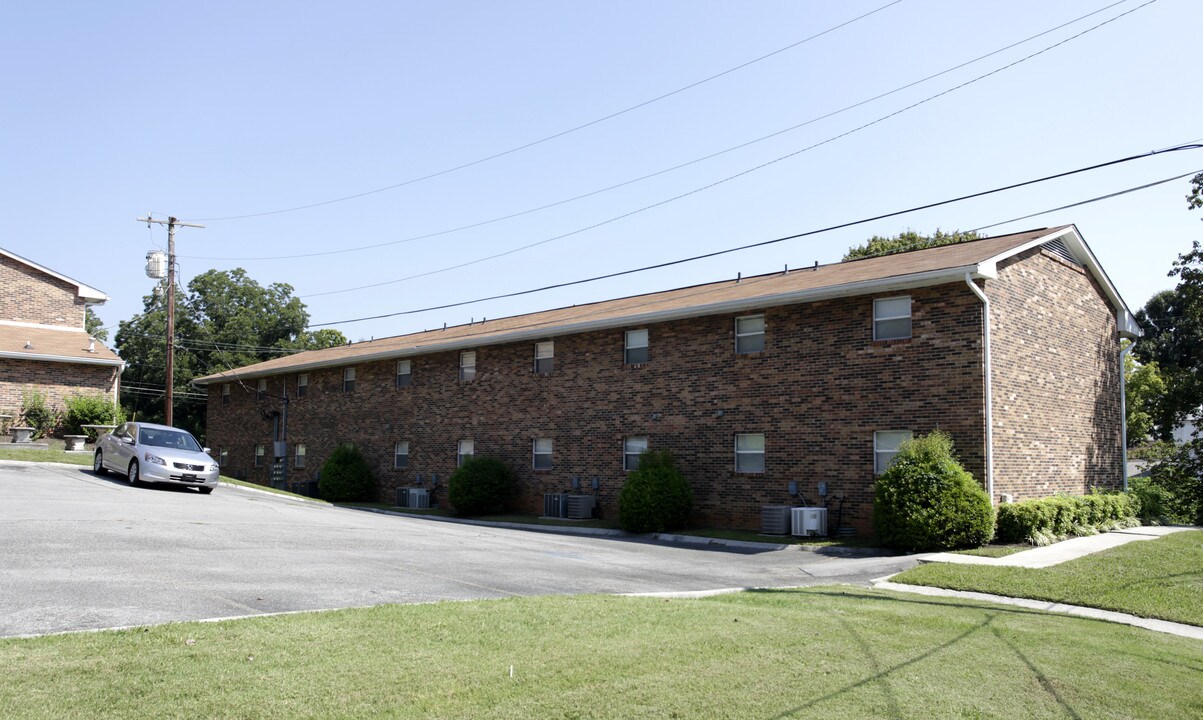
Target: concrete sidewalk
(1057,553)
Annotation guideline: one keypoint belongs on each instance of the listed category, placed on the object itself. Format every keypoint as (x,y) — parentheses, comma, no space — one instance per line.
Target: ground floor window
(542,454)
(260,451)
(632,448)
(401,455)
(299,456)
(885,447)
(464,452)
(749,453)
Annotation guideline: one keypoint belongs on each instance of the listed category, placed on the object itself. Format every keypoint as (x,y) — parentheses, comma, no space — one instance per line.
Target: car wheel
(205,490)
(98,463)
(132,475)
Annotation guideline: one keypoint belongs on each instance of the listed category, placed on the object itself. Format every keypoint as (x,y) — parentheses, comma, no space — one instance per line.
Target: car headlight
(153,459)
(214,468)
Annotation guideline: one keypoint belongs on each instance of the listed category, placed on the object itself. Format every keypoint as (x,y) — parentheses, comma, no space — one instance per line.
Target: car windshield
(168,439)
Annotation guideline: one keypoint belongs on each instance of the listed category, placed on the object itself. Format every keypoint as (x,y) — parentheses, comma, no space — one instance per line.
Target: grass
(1160,578)
(833,652)
(994,551)
(268,488)
(54,453)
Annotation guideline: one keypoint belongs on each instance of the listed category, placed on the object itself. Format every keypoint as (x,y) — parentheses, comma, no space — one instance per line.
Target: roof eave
(62,359)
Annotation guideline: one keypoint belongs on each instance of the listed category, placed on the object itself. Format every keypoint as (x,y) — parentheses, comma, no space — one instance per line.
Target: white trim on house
(87,293)
(41,326)
(61,359)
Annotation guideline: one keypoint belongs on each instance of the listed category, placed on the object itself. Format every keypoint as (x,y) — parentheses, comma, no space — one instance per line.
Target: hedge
(1047,520)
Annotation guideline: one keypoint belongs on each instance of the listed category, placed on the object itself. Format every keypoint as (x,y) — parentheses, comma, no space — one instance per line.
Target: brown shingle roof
(725,296)
(49,344)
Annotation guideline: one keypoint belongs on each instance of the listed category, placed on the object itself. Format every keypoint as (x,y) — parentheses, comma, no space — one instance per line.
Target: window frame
(260,452)
(541,367)
(225,393)
(460,455)
(407,375)
(397,455)
(223,456)
(910,313)
(629,464)
(762,453)
(545,455)
(467,373)
(261,389)
(740,336)
(349,382)
(627,347)
(879,467)
(302,384)
(298,456)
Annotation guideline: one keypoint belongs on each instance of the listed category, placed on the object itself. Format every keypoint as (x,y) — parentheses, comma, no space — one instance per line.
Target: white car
(149,453)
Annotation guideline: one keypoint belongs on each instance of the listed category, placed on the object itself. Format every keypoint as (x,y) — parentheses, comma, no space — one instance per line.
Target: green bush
(480,486)
(925,500)
(89,410)
(346,476)
(1179,479)
(1046,520)
(1152,501)
(656,496)
(35,413)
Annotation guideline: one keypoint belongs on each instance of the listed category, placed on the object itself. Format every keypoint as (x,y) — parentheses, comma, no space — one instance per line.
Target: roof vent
(92,345)
(29,345)
(1061,250)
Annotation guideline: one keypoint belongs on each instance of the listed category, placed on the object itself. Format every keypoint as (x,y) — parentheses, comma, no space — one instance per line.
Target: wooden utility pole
(169,394)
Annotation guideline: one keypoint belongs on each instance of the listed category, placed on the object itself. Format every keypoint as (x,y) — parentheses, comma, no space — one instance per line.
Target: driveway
(80,552)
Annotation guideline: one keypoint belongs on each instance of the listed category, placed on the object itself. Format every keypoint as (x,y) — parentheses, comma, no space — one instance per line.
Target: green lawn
(50,454)
(830,652)
(1160,578)
(994,551)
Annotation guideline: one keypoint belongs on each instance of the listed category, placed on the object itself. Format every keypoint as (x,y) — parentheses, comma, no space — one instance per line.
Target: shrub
(1152,501)
(656,496)
(89,410)
(925,500)
(480,486)
(345,476)
(35,413)
(1046,520)
(1179,478)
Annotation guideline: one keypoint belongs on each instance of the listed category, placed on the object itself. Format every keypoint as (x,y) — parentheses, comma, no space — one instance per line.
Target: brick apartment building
(808,376)
(43,343)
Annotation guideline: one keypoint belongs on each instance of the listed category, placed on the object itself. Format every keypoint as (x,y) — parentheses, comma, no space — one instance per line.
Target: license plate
(191,478)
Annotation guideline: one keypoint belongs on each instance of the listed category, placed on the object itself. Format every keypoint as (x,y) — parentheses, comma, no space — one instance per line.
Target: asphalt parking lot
(81,552)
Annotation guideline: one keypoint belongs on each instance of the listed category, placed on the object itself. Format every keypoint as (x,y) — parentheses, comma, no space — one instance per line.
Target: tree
(94,325)
(1144,390)
(909,240)
(224,320)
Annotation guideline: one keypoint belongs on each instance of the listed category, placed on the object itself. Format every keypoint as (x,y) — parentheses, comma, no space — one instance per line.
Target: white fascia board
(87,293)
(41,326)
(900,282)
(62,359)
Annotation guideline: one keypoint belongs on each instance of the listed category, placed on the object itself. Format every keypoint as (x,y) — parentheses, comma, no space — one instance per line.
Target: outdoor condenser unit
(775,519)
(579,507)
(554,505)
(809,521)
(416,498)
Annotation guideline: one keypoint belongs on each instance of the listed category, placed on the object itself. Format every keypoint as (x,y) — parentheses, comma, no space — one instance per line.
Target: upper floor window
(885,447)
(404,368)
(299,456)
(542,454)
(464,452)
(635,347)
(632,448)
(545,354)
(261,389)
(892,318)
(749,453)
(467,365)
(749,334)
(349,379)
(302,384)
(225,394)
(401,455)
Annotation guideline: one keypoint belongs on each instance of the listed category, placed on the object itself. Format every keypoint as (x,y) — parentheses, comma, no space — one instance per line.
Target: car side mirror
(127,440)
(207,450)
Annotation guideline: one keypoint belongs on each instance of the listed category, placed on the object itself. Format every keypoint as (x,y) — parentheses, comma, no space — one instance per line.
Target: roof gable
(87,293)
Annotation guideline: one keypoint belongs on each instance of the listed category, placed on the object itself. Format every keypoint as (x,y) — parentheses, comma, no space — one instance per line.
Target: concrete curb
(1161,626)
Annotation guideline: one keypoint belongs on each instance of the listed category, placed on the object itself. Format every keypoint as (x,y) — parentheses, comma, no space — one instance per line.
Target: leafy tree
(1194,201)
(909,240)
(1144,391)
(224,320)
(94,325)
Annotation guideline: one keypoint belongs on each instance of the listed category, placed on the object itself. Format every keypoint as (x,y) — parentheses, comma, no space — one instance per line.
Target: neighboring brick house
(43,343)
(807,376)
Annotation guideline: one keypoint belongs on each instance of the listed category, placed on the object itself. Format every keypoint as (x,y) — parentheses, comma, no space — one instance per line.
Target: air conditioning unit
(579,507)
(416,498)
(555,505)
(807,521)
(775,519)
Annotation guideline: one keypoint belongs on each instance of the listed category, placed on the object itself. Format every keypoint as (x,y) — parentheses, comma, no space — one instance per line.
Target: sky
(472,112)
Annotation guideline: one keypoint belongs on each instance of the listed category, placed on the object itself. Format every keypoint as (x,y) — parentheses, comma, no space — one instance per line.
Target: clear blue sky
(205,110)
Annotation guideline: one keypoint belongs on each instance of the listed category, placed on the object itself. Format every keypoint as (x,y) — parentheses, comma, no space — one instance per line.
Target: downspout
(989,386)
(1123,410)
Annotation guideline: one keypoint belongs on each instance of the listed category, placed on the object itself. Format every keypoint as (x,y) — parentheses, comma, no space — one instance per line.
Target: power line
(733,148)
(560,134)
(830,228)
(727,179)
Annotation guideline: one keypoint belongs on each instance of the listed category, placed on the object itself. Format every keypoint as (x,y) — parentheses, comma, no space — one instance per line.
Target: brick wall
(1056,378)
(55,380)
(819,390)
(35,297)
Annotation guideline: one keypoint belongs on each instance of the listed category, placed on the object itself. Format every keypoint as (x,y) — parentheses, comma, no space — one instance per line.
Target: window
(632,447)
(302,384)
(401,455)
(467,365)
(348,379)
(749,453)
(749,334)
(464,452)
(225,394)
(892,318)
(259,452)
(403,373)
(635,347)
(542,454)
(885,447)
(299,456)
(545,353)
(261,389)
(223,457)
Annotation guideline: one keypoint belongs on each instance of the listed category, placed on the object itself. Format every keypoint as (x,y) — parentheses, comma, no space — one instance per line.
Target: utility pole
(171,224)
